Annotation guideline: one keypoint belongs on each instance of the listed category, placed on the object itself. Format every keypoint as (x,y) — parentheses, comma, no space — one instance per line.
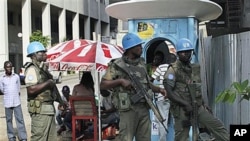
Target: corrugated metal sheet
(226,60)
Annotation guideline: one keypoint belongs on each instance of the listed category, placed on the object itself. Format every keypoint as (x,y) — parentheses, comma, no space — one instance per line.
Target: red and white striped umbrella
(94,55)
(66,46)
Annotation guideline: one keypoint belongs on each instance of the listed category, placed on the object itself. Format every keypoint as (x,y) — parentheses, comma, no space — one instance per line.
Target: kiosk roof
(203,10)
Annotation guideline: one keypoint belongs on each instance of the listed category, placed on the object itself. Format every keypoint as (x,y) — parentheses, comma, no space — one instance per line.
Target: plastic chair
(83,108)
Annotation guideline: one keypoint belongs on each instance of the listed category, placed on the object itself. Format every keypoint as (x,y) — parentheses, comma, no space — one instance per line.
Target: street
(69,80)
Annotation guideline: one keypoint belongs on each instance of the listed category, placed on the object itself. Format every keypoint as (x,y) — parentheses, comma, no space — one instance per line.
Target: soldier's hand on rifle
(163,92)
(51,83)
(126,84)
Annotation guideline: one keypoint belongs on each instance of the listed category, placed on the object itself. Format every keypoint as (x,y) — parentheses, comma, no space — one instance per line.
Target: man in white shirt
(10,87)
(162,103)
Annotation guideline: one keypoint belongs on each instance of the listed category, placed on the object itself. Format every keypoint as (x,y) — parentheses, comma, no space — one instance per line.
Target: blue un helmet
(130,40)
(184,45)
(34,47)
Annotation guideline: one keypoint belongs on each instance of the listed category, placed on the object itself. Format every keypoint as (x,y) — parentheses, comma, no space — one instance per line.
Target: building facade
(234,19)
(60,20)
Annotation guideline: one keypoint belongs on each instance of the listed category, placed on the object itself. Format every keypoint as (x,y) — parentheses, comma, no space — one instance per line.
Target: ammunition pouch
(121,101)
(38,107)
(34,106)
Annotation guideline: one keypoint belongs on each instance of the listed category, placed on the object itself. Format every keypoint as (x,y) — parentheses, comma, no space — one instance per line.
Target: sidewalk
(3,130)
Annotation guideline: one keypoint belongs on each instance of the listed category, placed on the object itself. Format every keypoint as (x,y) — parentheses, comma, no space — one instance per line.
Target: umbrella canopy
(84,57)
(64,47)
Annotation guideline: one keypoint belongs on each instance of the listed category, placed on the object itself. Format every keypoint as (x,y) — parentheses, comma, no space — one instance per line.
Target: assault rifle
(55,92)
(56,96)
(194,113)
(140,93)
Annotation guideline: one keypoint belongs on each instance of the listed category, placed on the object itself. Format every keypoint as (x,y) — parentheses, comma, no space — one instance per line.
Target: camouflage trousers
(205,118)
(43,128)
(135,123)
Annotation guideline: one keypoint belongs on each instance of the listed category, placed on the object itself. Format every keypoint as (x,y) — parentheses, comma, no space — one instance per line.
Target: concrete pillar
(246,14)
(98,28)
(46,22)
(4,53)
(75,26)
(26,27)
(62,25)
(87,28)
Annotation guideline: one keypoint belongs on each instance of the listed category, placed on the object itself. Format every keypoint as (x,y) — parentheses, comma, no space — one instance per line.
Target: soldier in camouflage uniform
(39,85)
(134,117)
(176,80)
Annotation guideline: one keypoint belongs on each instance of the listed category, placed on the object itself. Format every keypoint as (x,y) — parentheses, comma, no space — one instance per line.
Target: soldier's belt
(47,103)
(47,109)
(38,107)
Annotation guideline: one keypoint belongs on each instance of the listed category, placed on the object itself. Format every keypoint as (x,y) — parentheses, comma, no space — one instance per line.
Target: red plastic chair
(83,108)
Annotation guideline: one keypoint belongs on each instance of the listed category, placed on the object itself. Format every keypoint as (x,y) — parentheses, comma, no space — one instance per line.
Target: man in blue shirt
(10,87)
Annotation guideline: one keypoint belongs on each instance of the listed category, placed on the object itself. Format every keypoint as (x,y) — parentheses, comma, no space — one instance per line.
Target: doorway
(158,44)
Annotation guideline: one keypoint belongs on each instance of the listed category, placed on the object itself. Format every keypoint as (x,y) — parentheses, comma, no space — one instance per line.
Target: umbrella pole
(96,77)
(99,107)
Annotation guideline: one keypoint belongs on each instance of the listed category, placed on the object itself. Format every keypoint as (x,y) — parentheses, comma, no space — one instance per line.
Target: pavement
(27,120)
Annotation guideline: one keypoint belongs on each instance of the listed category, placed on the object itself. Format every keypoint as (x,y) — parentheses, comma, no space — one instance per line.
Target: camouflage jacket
(179,75)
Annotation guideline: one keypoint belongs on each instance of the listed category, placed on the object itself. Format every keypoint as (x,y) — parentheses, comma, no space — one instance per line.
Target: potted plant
(38,36)
(236,88)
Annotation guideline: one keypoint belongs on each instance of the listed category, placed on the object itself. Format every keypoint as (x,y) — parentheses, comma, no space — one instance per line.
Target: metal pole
(99,107)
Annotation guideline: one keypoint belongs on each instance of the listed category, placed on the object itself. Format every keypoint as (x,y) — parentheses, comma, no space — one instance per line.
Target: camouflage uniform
(134,118)
(41,108)
(178,76)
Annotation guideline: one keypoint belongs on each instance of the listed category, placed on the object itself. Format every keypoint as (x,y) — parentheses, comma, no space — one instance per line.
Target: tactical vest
(42,75)
(119,93)
(186,75)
